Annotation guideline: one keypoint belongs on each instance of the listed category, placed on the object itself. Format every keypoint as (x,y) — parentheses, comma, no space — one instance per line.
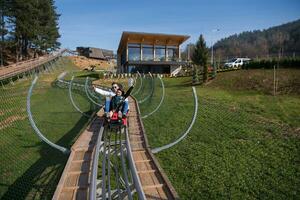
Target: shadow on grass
(91,75)
(41,179)
(183,85)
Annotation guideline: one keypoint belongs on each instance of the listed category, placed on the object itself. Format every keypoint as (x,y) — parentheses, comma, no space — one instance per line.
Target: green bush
(269,64)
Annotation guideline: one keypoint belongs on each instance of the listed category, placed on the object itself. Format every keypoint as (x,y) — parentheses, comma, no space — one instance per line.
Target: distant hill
(266,43)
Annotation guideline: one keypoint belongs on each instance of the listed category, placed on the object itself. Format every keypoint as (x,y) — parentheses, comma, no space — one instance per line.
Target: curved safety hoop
(60,79)
(72,100)
(33,125)
(152,90)
(161,100)
(141,80)
(90,93)
(156,150)
(87,94)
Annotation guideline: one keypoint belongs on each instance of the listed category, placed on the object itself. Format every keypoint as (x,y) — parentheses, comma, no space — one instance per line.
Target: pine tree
(48,34)
(200,56)
(4,6)
(34,26)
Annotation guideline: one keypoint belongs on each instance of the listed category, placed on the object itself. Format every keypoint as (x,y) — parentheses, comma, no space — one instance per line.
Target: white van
(236,62)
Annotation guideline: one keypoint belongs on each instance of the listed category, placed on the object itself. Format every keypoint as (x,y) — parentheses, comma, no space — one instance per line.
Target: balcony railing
(156,59)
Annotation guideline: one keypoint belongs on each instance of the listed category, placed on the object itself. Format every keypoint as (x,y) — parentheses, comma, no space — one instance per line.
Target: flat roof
(151,38)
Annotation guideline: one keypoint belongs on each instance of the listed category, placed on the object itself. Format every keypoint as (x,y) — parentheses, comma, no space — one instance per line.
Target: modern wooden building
(149,52)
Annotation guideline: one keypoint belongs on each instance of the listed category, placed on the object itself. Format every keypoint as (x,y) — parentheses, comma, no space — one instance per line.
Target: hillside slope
(259,80)
(244,145)
(83,62)
(262,43)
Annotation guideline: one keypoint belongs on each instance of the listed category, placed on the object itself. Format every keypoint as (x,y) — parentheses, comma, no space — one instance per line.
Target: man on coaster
(109,94)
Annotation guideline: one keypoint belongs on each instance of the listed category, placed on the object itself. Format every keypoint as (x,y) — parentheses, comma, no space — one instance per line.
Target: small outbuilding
(97,53)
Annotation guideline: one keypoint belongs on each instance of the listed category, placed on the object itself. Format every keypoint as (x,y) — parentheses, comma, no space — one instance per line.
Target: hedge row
(269,64)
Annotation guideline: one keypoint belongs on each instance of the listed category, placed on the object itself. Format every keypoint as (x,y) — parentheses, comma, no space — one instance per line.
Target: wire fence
(227,135)
(243,143)
(29,168)
(60,101)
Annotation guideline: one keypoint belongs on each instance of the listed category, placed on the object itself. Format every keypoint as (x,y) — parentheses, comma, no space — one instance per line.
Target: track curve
(33,125)
(156,150)
(88,96)
(161,100)
(152,90)
(72,100)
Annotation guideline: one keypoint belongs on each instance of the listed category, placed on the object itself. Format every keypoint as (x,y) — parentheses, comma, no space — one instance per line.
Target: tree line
(280,44)
(283,40)
(279,41)
(28,29)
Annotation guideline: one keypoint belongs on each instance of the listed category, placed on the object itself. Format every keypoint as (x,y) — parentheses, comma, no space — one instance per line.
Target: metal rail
(161,100)
(108,167)
(93,95)
(60,79)
(72,100)
(104,168)
(141,81)
(125,154)
(155,183)
(124,170)
(116,168)
(136,179)
(152,90)
(158,149)
(88,96)
(93,185)
(33,125)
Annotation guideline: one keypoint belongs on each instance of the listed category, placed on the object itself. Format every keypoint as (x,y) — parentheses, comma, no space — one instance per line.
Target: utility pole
(279,59)
(188,52)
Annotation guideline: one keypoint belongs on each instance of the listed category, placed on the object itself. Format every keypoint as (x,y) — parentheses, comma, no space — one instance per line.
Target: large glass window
(134,52)
(160,53)
(147,52)
(172,53)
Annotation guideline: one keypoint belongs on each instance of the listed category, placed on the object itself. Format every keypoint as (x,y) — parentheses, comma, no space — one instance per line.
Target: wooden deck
(154,182)
(19,68)
(75,180)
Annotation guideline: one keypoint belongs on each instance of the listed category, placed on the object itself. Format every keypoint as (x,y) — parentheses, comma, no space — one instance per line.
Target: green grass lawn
(30,169)
(244,145)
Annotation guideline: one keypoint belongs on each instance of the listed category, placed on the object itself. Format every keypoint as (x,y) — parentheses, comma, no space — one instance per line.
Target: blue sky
(99,23)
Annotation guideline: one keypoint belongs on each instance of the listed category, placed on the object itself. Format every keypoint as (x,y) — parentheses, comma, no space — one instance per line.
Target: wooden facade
(149,52)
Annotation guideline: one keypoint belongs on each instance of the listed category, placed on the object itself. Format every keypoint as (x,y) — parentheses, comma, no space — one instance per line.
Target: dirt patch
(297,131)
(10,120)
(10,110)
(83,62)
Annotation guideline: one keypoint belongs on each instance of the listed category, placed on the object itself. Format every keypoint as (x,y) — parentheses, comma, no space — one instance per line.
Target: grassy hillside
(259,80)
(244,145)
(30,169)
